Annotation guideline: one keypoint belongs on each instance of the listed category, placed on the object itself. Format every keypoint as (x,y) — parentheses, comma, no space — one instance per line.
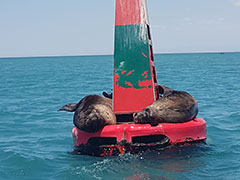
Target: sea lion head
(146,116)
(164,91)
(91,120)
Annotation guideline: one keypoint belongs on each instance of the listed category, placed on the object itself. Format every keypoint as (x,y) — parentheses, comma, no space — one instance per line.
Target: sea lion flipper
(107,95)
(69,107)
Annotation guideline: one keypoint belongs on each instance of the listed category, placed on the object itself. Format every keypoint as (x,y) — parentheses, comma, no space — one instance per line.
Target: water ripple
(36,142)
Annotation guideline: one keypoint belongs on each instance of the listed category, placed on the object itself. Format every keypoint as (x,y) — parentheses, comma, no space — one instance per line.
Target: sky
(86,27)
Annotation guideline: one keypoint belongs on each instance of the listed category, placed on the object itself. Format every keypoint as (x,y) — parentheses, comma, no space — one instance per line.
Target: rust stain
(144,55)
(145,72)
(123,72)
(130,72)
(145,84)
(116,77)
(129,84)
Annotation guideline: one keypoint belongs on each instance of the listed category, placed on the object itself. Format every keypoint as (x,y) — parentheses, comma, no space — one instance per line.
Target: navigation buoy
(134,88)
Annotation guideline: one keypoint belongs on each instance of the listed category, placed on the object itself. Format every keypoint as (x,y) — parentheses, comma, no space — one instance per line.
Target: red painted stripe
(126,104)
(130,12)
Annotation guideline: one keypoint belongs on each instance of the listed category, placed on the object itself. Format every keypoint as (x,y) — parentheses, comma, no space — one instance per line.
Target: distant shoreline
(159,53)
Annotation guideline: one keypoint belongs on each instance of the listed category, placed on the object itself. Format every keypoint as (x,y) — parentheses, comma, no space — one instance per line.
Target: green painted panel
(131,55)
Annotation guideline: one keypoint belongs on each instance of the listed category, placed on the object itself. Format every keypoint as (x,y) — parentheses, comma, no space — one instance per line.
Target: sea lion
(171,107)
(92,113)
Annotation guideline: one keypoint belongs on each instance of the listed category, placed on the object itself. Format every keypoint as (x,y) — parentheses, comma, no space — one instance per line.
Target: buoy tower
(134,78)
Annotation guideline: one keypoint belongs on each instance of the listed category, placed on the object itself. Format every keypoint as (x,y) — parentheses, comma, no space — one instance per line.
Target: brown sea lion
(92,113)
(172,107)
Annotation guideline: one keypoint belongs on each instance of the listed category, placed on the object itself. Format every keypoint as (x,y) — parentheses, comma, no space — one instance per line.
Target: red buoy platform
(129,137)
(135,87)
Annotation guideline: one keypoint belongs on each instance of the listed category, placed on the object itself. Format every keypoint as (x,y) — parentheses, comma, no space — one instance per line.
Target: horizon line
(45,56)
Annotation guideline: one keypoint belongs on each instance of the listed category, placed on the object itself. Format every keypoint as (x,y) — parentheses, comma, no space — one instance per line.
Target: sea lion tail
(69,107)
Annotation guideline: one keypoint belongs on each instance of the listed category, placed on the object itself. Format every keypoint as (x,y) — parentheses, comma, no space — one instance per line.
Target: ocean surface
(36,141)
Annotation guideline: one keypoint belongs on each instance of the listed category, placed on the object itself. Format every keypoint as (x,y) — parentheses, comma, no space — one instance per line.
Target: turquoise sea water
(36,141)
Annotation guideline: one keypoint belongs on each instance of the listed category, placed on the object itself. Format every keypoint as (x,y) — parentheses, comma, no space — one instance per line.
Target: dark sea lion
(171,107)
(92,113)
